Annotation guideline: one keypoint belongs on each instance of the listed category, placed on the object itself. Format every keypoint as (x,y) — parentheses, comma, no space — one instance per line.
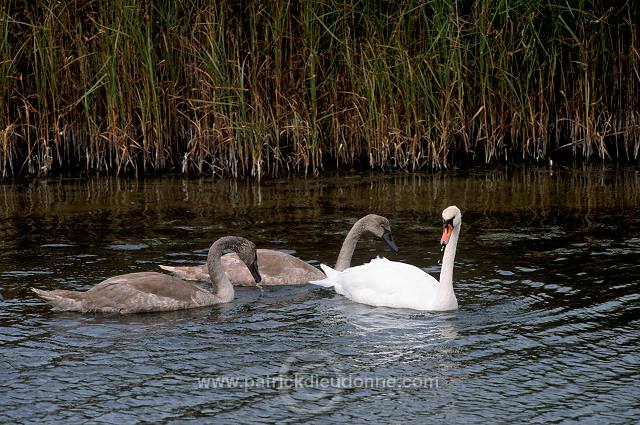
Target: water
(547,277)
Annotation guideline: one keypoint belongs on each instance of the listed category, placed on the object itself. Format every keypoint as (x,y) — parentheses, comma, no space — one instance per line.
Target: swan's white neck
(221,285)
(349,245)
(446,272)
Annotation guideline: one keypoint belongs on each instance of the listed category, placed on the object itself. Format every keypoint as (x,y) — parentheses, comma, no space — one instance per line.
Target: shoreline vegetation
(272,88)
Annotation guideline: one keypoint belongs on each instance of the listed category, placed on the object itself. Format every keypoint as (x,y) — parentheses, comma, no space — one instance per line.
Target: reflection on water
(547,278)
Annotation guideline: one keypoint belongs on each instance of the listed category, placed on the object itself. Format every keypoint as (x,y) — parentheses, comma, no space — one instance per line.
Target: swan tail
(171,269)
(60,299)
(325,283)
(188,272)
(329,281)
(330,272)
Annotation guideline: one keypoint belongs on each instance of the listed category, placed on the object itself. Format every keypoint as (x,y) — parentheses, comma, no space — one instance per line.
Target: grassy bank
(261,88)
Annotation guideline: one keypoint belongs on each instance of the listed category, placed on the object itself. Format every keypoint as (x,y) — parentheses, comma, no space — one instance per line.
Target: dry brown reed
(250,88)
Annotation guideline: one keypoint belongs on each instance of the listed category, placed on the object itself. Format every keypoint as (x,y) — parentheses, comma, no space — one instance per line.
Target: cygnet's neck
(221,285)
(349,245)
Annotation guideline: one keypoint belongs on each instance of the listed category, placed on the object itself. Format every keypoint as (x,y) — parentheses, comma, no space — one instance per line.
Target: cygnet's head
(246,251)
(379,226)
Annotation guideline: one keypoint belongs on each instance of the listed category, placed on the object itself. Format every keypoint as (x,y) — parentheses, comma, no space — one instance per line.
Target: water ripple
(548,328)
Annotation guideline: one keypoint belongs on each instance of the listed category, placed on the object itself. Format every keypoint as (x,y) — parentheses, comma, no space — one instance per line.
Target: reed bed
(266,88)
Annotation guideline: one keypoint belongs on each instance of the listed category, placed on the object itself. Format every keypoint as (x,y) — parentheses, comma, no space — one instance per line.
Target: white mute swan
(393,284)
(151,291)
(278,268)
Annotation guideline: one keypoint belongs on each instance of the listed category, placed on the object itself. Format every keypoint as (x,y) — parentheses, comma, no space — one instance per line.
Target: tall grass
(253,88)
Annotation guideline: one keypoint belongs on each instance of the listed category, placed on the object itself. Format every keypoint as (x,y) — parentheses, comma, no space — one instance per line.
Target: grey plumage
(151,291)
(278,268)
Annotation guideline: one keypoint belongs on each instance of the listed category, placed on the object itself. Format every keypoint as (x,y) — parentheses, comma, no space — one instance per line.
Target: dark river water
(547,277)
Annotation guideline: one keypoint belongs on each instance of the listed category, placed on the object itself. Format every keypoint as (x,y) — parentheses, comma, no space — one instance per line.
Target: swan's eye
(447,222)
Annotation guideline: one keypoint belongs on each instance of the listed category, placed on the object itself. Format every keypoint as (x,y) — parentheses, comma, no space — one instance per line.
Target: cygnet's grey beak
(253,268)
(388,238)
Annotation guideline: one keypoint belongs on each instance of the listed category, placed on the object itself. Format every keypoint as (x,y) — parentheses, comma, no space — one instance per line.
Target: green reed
(250,88)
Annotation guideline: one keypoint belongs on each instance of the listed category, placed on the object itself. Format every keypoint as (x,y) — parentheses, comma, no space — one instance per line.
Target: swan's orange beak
(447,230)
